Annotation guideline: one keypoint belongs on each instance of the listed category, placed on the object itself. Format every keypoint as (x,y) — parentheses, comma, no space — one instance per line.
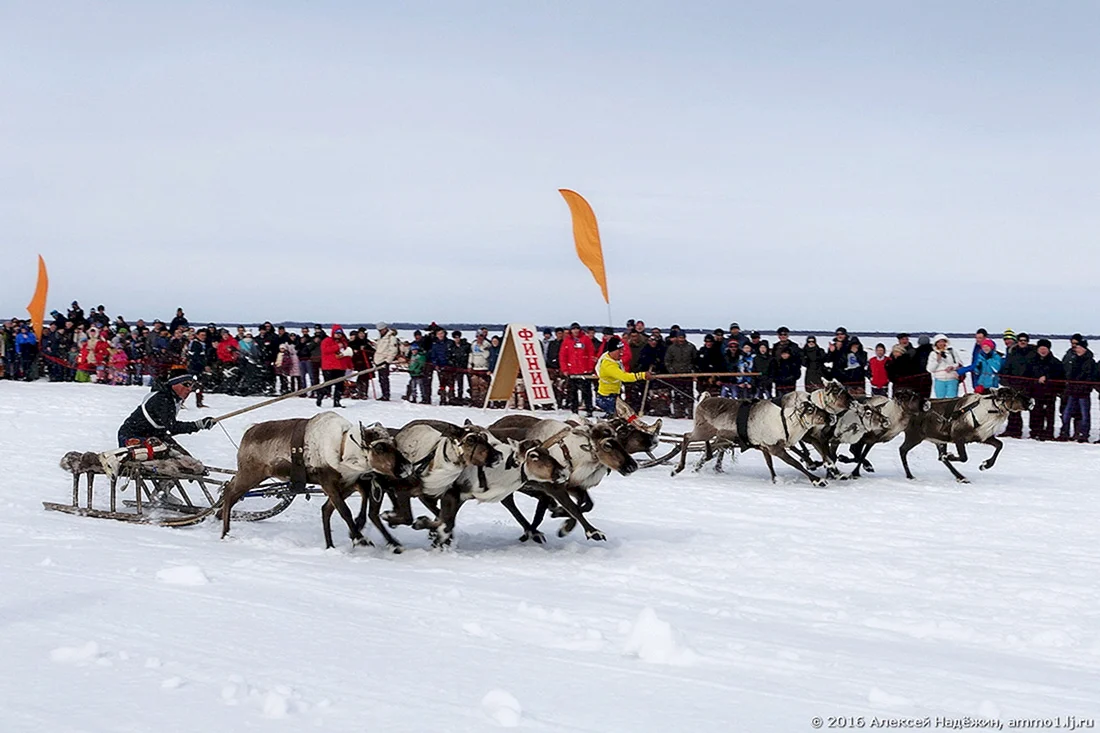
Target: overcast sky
(920,165)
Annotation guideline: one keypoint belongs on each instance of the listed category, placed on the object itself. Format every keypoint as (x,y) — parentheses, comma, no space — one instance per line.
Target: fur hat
(1044,342)
(940,337)
(614,343)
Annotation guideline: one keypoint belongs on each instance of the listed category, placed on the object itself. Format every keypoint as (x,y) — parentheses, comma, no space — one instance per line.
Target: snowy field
(719,602)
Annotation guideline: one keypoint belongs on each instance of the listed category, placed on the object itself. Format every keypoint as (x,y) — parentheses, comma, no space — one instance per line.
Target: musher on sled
(147,433)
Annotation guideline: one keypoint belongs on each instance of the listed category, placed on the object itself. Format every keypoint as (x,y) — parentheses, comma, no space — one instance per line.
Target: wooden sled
(173,498)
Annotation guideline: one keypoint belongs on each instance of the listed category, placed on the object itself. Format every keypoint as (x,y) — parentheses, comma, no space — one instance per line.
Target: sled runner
(170,493)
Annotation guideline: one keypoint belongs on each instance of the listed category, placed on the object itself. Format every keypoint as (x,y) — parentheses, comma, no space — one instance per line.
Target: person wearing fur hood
(943,365)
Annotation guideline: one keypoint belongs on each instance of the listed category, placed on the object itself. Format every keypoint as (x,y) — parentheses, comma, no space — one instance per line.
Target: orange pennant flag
(586,235)
(37,306)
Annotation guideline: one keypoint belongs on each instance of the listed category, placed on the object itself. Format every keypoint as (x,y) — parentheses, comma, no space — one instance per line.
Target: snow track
(720,602)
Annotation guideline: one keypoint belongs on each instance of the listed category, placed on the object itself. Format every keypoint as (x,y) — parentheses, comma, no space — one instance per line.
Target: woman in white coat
(943,365)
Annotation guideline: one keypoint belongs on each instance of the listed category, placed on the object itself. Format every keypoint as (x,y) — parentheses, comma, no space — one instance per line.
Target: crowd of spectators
(447,368)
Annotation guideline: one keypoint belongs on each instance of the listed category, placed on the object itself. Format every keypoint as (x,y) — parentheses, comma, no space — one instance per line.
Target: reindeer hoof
(985,465)
(396,549)
(868,468)
(422,523)
(535,536)
(361,542)
(963,480)
(820,482)
(596,535)
(847,476)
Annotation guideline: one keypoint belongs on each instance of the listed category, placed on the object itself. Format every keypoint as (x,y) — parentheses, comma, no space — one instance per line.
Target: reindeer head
(635,435)
(872,418)
(910,402)
(537,462)
(1012,399)
(811,416)
(606,448)
(475,447)
(833,397)
(381,452)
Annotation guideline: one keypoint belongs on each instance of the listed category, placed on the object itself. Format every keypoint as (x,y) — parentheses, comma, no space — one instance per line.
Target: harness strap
(298,456)
(743,411)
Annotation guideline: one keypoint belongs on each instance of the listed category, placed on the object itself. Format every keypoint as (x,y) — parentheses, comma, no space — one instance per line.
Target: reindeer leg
(326,523)
(683,456)
(560,495)
(787,458)
(771,464)
(718,460)
(449,506)
(237,487)
(402,509)
(374,502)
(992,460)
(903,451)
(529,532)
(945,459)
(336,498)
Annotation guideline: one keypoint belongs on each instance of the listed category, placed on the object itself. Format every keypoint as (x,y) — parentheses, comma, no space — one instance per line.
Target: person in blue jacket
(26,349)
(986,368)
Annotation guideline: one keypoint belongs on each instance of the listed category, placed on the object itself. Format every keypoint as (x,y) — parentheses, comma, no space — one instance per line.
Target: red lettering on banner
(536,378)
(541,393)
(525,333)
(528,349)
(533,363)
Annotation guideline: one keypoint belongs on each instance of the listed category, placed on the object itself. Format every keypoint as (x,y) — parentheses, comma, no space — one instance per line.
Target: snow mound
(276,704)
(182,575)
(82,654)
(172,683)
(655,641)
(502,707)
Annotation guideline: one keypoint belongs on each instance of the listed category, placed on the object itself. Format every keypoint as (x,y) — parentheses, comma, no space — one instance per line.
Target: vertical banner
(586,237)
(37,307)
(521,356)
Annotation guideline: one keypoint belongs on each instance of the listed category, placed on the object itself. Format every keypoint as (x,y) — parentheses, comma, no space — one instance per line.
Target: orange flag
(37,306)
(586,235)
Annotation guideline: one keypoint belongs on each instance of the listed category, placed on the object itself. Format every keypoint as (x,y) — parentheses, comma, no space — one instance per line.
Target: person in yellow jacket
(612,375)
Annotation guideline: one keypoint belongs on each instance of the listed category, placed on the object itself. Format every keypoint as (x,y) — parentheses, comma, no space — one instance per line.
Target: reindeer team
(558,462)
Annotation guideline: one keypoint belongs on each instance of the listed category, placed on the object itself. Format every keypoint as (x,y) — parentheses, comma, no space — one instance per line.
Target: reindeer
(898,411)
(439,452)
(322,450)
(834,399)
(589,453)
(970,419)
(633,434)
(524,462)
(768,427)
(852,425)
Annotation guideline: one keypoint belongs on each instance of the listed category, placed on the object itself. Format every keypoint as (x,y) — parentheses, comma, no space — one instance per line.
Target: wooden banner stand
(521,357)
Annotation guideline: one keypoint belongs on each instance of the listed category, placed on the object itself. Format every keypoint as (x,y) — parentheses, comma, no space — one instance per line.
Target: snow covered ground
(719,603)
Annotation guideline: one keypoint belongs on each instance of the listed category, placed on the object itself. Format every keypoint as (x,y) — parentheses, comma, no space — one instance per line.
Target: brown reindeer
(325,449)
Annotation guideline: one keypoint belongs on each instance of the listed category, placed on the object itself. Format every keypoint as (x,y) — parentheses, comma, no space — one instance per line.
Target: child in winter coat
(418,380)
(746,386)
(986,368)
(119,363)
(876,367)
(943,365)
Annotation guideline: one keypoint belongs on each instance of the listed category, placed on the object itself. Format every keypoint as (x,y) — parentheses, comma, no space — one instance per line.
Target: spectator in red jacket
(578,357)
(876,365)
(335,363)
